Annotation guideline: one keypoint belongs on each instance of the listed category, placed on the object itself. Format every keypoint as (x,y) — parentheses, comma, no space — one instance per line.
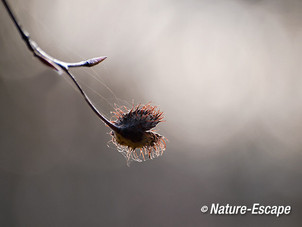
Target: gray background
(227,74)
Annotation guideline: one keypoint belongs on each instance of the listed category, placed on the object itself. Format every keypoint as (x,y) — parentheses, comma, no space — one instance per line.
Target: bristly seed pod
(133,135)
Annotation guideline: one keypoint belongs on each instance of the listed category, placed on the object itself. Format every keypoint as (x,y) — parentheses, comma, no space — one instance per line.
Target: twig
(58,65)
(132,132)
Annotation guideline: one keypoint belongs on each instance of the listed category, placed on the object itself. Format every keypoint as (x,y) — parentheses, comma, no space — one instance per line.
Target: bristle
(135,139)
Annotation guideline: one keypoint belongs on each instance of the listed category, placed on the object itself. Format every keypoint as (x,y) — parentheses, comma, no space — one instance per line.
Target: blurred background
(227,75)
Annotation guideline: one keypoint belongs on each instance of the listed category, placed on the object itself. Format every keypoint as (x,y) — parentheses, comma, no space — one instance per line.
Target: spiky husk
(135,139)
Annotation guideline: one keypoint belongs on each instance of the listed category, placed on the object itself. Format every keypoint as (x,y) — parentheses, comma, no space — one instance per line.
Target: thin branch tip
(95,61)
(87,63)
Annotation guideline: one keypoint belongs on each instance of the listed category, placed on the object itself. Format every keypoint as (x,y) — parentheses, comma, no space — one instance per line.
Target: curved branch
(58,65)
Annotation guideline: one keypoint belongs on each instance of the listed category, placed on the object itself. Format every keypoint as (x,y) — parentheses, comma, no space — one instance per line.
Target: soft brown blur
(227,74)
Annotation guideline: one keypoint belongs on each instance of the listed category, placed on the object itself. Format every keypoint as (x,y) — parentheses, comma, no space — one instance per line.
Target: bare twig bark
(59,66)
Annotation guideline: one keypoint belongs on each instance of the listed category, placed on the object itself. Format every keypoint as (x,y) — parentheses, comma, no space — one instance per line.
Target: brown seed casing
(134,137)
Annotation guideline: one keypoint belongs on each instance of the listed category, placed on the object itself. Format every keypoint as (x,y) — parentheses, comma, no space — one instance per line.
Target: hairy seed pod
(134,137)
